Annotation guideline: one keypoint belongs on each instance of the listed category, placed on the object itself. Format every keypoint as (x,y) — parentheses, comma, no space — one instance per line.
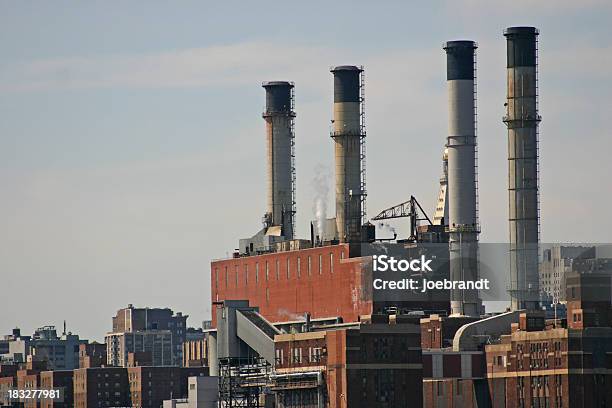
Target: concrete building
(157,343)
(157,320)
(14,347)
(59,352)
(203,392)
(556,263)
(195,353)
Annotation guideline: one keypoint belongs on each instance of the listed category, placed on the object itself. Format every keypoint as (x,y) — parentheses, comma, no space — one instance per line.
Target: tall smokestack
(461,145)
(522,120)
(348,134)
(279,116)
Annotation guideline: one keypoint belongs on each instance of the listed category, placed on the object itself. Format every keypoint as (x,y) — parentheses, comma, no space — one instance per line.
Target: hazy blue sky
(132,145)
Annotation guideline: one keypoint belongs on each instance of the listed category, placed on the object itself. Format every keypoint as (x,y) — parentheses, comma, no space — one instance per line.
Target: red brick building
(92,355)
(323,281)
(454,378)
(373,365)
(150,386)
(438,331)
(6,383)
(101,386)
(540,365)
(62,379)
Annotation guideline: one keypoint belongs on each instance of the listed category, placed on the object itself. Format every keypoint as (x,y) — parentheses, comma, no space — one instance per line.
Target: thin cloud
(236,64)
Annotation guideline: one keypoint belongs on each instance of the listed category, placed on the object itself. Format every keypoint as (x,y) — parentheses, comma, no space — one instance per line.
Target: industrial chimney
(462,176)
(279,117)
(522,120)
(349,138)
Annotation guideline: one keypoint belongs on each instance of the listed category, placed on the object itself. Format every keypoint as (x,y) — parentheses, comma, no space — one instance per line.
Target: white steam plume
(320,184)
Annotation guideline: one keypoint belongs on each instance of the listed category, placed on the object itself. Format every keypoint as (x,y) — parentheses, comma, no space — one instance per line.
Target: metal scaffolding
(242,382)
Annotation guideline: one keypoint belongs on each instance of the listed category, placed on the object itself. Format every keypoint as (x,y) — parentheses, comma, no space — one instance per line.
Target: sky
(132,148)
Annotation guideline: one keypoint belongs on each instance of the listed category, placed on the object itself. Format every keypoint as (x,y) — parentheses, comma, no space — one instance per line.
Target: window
(246,274)
(459,387)
(288,269)
(440,388)
(216,277)
(320,264)
(331,262)
(314,354)
(299,267)
(267,271)
(267,295)
(256,272)
(236,269)
(279,356)
(277,269)
(297,355)
(309,265)
(226,278)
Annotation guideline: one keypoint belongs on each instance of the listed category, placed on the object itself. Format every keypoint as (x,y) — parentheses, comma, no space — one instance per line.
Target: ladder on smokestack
(362,143)
(292,141)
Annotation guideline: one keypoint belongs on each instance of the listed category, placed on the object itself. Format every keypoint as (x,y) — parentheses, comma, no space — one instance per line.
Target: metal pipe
(462,201)
(522,120)
(279,116)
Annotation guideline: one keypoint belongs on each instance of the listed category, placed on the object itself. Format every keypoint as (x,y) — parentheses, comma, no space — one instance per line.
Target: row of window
(314,356)
(277,269)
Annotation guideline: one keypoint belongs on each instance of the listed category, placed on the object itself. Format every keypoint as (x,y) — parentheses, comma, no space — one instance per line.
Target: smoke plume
(320,184)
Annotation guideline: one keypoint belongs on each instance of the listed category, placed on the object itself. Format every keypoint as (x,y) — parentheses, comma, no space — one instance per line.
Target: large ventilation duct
(348,135)
(279,116)
(462,195)
(522,120)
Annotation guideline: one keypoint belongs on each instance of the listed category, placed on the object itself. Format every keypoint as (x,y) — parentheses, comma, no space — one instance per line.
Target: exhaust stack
(462,176)
(522,120)
(279,117)
(349,138)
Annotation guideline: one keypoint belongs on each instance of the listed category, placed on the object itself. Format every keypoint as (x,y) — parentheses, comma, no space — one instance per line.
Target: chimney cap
(521,30)
(346,68)
(266,84)
(460,44)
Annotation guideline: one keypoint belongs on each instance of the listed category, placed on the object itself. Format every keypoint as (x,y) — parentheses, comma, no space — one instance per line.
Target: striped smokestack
(462,201)
(279,117)
(522,120)
(348,135)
